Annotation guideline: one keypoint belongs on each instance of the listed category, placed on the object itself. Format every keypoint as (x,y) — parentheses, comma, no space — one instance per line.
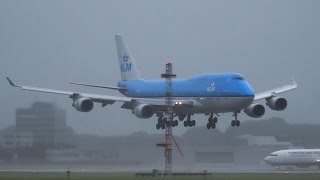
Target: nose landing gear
(235,122)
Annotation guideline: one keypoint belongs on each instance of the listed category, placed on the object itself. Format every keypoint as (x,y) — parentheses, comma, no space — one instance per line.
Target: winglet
(293,82)
(11,83)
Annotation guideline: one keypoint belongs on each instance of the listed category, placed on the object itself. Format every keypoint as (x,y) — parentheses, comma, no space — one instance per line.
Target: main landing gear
(189,122)
(212,121)
(163,122)
(235,122)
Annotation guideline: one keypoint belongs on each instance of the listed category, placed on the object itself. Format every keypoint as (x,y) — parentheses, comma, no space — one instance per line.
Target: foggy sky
(51,43)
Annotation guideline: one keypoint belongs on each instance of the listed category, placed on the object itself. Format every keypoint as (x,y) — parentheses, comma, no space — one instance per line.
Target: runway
(82,167)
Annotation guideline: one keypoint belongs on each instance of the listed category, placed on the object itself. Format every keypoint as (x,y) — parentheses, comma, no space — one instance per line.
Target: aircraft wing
(105,99)
(94,97)
(273,92)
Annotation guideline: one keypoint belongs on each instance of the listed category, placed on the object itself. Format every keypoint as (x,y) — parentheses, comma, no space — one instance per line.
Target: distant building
(38,129)
(13,140)
(62,155)
(44,121)
(264,141)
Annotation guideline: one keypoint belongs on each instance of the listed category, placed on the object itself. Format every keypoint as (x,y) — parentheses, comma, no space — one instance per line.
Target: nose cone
(267,160)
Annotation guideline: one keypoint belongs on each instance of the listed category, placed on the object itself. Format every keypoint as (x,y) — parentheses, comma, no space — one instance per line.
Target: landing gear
(173,124)
(212,121)
(235,122)
(189,122)
(211,125)
(163,122)
(181,116)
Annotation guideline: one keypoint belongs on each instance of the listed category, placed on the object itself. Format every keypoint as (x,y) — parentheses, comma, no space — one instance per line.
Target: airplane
(295,157)
(209,94)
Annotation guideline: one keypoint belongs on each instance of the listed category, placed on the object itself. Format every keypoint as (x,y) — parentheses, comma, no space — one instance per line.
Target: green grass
(120,176)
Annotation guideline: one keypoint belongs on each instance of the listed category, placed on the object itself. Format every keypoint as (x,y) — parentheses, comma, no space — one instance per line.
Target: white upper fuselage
(296,157)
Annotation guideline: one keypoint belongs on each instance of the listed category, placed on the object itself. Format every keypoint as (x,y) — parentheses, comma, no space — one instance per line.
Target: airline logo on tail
(125,58)
(125,66)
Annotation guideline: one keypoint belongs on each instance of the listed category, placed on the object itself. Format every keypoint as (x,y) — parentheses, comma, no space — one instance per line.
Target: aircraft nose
(247,89)
(267,159)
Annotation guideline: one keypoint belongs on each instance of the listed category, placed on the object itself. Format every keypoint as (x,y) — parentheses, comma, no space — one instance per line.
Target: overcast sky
(51,43)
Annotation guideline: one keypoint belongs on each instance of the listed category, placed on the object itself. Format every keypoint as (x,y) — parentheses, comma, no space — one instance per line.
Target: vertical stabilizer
(127,64)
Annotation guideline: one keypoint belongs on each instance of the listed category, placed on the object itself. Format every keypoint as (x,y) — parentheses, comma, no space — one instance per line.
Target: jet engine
(83,104)
(277,103)
(143,111)
(255,110)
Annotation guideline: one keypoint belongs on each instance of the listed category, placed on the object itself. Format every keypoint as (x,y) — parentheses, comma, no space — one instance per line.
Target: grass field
(120,176)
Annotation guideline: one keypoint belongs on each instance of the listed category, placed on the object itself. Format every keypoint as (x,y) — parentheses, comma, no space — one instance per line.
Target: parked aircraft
(208,94)
(295,157)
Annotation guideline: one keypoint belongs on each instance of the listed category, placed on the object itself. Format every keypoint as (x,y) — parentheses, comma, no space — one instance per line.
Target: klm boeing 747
(208,94)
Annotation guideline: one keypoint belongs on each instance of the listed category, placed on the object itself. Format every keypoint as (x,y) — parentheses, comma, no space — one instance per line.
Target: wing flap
(99,86)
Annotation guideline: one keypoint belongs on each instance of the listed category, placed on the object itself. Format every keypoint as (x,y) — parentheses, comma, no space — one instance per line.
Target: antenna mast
(169,117)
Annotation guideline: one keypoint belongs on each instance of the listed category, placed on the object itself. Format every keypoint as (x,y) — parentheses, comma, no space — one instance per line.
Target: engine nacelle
(143,111)
(255,110)
(277,103)
(83,104)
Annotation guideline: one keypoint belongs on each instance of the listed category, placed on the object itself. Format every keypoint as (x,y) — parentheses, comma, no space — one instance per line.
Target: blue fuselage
(205,85)
(210,93)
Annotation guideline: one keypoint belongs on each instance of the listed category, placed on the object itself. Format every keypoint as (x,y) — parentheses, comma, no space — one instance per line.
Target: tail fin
(128,68)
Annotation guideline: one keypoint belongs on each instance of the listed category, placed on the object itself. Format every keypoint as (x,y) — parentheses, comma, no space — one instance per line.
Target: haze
(51,43)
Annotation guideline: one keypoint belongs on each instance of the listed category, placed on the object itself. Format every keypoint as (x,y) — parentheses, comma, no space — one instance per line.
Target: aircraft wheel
(175,123)
(215,119)
(213,126)
(210,120)
(159,120)
(208,125)
(158,126)
(189,123)
(237,123)
(185,123)
(163,125)
(193,123)
(233,123)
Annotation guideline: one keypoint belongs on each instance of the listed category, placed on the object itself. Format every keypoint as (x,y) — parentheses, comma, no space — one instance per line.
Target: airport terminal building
(44,121)
(37,129)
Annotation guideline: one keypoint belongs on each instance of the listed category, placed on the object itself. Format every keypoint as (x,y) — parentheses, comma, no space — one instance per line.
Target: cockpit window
(273,154)
(238,78)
